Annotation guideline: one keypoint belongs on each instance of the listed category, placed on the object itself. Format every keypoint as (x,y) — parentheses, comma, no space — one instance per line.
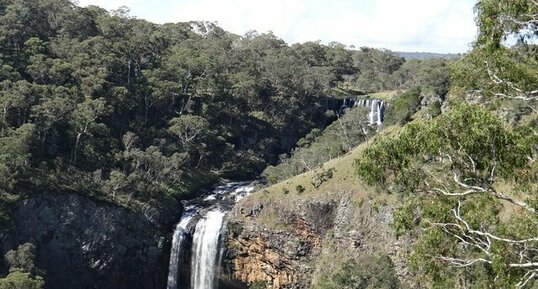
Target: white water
(205,244)
(205,249)
(376,110)
(379,113)
(177,240)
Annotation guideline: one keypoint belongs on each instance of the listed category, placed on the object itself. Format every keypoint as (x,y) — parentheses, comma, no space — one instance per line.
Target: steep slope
(81,243)
(297,233)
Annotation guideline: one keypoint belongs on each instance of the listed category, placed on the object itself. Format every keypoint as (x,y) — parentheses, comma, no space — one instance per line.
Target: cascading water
(177,240)
(377,110)
(372,112)
(380,108)
(205,249)
(205,252)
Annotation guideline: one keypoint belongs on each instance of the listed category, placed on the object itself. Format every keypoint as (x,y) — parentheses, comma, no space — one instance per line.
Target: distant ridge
(426,55)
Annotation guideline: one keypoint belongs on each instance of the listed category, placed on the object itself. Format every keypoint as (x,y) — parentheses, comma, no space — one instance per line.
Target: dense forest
(140,114)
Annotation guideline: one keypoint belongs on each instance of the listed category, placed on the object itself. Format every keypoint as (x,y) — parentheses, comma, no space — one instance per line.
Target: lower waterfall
(205,250)
(209,215)
(177,241)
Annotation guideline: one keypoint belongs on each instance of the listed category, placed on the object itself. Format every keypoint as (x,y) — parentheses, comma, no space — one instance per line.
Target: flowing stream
(207,218)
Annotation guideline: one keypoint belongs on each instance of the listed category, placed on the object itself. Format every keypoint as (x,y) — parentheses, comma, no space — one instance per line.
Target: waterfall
(373,110)
(205,250)
(177,240)
(377,109)
(380,113)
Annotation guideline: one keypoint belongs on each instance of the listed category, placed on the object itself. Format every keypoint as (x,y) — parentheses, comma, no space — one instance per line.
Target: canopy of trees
(135,113)
(468,178)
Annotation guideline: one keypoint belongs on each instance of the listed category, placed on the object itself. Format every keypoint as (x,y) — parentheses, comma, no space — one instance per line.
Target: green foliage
(470,180)
(258,285)
(493,28)
(188,128)
(467,147)
(142,115)
(22,258)
(465,132)
(15,154)
(402,107)
(299,189)
(234,229)
(514,68)
(23,273)
(434,108)
(379,70)
(322,176)
(493,70)
(376,69)
(21,280)
(318,147)
(365,273)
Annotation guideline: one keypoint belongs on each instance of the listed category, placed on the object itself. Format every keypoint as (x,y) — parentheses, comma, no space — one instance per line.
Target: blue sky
(403,25)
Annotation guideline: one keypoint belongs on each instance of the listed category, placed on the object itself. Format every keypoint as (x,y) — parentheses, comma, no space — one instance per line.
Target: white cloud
(412,25)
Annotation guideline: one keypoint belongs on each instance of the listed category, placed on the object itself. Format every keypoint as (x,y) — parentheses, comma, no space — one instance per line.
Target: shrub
(434,108)
(323,176)
(364,273)
(402,107)
(21,280)
(258,285)
(23,274)
(299,189)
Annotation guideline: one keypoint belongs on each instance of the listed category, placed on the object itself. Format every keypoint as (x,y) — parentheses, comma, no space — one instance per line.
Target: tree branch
(520,94)
(482,240)
(456,262)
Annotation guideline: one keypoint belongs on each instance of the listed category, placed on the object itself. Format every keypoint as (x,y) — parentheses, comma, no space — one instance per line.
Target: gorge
(201,237)
(126,150)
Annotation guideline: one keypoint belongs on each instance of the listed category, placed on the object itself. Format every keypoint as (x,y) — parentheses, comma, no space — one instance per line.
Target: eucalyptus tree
(468,180)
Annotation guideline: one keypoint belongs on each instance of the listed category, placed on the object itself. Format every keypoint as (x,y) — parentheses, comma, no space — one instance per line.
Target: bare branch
(465,234)
(456,213)
(525,265)
(473,189)
(456,262)
(519,93)
(529,276)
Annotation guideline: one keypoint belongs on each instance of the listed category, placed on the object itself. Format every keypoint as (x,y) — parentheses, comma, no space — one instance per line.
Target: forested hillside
(126,112)
(467,180)
(121,109)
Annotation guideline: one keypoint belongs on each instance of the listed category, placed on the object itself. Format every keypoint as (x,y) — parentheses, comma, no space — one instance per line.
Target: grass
(347,91)
(276,208)
(342,180)
(385,95)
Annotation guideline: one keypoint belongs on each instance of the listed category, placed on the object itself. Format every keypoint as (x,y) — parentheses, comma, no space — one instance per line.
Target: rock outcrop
(82,243)
(290,242)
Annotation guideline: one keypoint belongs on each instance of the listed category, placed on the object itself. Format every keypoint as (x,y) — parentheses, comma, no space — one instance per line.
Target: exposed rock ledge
(289,242)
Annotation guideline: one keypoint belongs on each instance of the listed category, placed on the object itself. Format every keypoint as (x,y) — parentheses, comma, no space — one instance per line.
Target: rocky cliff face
(85,244)
(288,242)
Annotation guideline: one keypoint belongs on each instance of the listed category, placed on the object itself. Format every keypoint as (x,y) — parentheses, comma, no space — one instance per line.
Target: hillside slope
(301,232)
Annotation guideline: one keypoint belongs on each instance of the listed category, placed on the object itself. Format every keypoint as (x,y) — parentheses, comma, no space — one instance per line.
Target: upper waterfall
(377,109)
